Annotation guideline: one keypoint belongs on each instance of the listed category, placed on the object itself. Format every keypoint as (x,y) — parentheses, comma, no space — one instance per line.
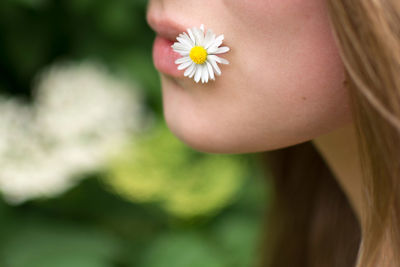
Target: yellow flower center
(198,54)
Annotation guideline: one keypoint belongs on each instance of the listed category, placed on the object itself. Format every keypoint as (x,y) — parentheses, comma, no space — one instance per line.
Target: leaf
(42,243)
(182,249)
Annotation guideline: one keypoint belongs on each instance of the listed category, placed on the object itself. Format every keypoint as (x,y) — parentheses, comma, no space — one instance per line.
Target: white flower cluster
(81,113)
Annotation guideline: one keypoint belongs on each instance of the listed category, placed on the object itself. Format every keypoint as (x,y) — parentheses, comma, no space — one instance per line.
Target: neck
(339,150)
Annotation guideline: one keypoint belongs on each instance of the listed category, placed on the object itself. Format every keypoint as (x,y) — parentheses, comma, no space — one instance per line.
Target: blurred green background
(89,173)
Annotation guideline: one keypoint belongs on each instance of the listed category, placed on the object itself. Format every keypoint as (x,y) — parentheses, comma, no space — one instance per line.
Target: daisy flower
(199,52)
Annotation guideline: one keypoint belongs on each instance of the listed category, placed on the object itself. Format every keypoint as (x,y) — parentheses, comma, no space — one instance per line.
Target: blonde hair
(369,36)
(310,222)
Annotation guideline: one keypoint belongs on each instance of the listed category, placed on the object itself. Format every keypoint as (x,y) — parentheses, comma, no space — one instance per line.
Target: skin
(284,84)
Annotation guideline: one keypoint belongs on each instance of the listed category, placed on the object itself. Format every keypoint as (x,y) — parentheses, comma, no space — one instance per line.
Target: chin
(208,136)
(193,124)
(202,121)
(196,135)
(204,141)
(213,140)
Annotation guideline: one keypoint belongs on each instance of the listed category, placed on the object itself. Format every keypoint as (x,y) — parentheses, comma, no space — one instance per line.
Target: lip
(164,26)
(163,55)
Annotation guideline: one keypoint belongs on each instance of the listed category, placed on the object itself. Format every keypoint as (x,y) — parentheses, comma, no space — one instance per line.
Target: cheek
(283,86)
(291,70)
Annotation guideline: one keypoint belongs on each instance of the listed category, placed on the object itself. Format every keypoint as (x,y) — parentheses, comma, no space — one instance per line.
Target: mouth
(163,55)
(167,30)
(164,26)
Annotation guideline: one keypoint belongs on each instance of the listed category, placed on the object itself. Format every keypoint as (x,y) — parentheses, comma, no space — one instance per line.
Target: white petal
(204,75)
(218,59)
(184,65)
(182,60)
(222,49)
(193,71)
(189,39)
(199,35)
(211,50)
(218,40)
(202,27)
(224,61)
(181,46)
(182,51)
(197,76)
(215,44)
(210,70)
(210,41)
(189,70)
(185,42)
(191,35)
(215,66)
(178,47)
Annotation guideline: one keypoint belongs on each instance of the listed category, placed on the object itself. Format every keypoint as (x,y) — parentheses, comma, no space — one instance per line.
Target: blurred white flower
(80,115)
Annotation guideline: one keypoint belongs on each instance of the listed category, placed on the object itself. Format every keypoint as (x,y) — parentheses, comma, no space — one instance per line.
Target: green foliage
(100,229)
(160,168)
(34,33)
(48,243)
(236,235)
(182,250)
(152,188)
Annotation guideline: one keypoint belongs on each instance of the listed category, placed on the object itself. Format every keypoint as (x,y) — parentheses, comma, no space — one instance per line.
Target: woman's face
(284,84)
